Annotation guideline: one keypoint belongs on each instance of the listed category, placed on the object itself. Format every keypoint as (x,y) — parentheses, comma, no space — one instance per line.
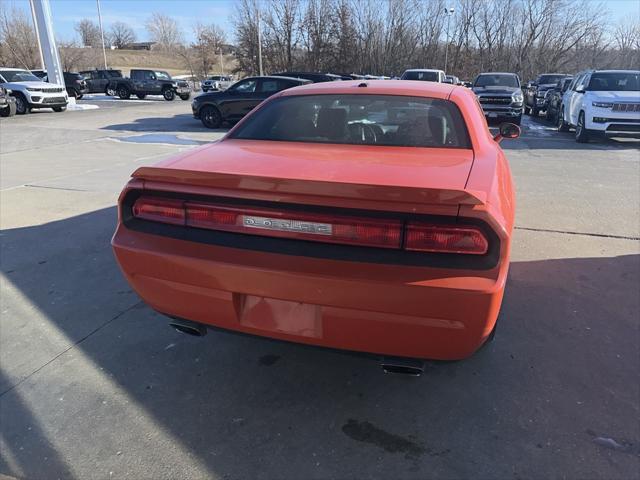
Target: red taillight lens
(445,239)
(340,229)
(160,210)
(319,228)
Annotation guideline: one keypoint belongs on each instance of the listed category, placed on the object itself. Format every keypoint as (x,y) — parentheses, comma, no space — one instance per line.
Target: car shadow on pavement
(560,373)
(183,122)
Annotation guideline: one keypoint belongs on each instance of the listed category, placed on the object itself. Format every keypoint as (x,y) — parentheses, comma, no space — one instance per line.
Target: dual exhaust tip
(189,328)
(393,365)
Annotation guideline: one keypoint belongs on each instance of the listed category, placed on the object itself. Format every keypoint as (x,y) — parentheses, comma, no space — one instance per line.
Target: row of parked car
(594,103)
(24,90)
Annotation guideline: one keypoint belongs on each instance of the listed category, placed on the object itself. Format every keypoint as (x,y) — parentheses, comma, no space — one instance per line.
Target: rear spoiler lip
(321,188)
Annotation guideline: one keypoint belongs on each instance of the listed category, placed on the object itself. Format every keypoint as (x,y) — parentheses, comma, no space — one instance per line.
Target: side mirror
(507,130)
(580,90)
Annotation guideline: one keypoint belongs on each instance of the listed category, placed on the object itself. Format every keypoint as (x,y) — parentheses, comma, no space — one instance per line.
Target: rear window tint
(388,120)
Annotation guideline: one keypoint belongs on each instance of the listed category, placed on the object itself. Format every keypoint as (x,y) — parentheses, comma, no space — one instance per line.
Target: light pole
(259,38)
(104,53)
(448,12)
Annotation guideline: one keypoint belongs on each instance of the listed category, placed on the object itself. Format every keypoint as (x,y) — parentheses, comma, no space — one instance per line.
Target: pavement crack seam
(75,344)
(586,234)
(56,188)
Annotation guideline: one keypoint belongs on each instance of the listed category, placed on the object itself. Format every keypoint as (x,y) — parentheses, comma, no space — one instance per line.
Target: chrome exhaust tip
(190,328)
(402,366)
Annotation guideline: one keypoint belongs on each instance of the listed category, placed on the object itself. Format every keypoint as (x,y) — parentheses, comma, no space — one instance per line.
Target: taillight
(444,238)
(341,229)
(160,210)
(303,226)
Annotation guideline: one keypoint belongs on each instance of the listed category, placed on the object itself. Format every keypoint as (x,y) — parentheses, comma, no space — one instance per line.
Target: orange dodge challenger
(365,216)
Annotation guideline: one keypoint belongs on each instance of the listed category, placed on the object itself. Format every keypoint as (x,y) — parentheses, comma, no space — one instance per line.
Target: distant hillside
(75,59)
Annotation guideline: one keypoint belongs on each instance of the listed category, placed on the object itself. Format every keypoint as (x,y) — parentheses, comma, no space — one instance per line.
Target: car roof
(498,73)
(612,71)
(424,70)
(14,69)
(375,87)
(278,77)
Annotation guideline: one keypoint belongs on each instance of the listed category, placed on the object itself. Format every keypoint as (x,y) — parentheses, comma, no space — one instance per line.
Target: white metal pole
(259,39)
(446,47)
(221,62)
(44,24)
(104,52)
(35,24)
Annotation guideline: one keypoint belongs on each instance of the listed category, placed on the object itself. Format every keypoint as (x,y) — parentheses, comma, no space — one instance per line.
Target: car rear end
(76,84)
(298,242)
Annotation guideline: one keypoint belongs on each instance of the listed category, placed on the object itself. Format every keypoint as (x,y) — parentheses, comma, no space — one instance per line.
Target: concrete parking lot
(94,384)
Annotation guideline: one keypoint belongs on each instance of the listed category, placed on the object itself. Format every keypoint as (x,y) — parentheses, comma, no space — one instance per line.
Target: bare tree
(245,21)
(18,44)
(164,30)
(208,43)
(89,32)
(387,36)
(281,33)
(121,35)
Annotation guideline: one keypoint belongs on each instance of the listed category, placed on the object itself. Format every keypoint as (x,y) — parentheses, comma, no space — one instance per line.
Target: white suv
(602,102)
(31,92)
(216,82)
(424,74)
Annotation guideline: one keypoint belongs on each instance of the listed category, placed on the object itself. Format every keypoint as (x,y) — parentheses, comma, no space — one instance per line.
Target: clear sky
(66,13)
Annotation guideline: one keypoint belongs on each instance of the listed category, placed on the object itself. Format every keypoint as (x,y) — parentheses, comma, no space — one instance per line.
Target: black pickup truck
(150,82)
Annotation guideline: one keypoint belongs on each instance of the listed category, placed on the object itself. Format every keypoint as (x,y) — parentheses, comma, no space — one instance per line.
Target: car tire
(185,97)
(562,125)
(168,94)
(582,134)
(22,106)
(535,112)
(141,96)
(10,111)
(59,109)
(79,96)
(527,110)
(210,116)
(518,120)
(110,92)
(549,116)
(123,92)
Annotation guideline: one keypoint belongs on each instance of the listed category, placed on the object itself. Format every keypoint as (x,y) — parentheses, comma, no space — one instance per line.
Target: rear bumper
(419,312)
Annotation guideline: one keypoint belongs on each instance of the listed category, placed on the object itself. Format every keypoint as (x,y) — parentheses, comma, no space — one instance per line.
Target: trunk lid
(384,178)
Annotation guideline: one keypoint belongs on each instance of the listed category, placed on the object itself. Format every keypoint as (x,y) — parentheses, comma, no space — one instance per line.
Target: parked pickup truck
(150,82)
(500,96)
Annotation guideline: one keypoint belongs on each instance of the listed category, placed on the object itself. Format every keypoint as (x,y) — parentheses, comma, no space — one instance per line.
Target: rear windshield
(496,80)
(548,79)
(358,119)
(424,76)
(616,82)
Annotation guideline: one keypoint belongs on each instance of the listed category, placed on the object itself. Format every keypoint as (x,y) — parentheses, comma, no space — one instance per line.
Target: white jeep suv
(30,92)
(602,103)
